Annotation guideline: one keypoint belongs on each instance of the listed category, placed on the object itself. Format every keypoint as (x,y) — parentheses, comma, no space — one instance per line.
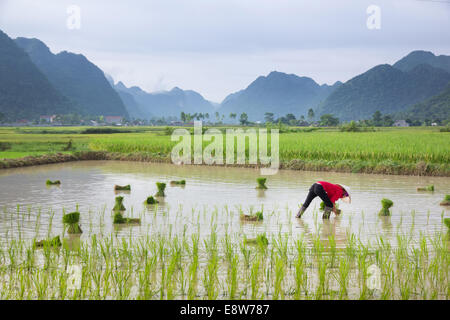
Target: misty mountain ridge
(384,88)
(35,82)
(419,57)
(25,92)
(436,107)
(165,103)
(81,81)
(278,93)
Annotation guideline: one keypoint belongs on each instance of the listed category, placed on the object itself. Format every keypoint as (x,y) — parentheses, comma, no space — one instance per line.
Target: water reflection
(208,191)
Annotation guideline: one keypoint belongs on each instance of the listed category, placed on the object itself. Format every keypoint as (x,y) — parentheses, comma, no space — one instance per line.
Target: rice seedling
(322,208)
(427,188)
(257,216)
(178,182)
(161,187)
(261,183)
(446,201)
(447,222)
(53,183)
(386,205)
(151,200)
(122,188)
(71,220)
(280,272)
(120,219)
(192,257)
(118,206)
(261,240)
(54,242)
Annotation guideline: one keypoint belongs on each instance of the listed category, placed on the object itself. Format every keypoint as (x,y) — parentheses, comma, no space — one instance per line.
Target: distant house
(401,123)
(113,119)
(48,119)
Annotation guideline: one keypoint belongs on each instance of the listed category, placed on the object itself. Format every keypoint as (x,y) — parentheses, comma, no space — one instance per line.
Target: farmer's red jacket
(334,191)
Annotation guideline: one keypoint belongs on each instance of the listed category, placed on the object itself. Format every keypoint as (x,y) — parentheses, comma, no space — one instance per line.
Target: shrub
(103,131)
(4,146)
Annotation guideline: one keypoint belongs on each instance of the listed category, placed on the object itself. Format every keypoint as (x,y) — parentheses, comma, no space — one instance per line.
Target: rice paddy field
(196,243)
(217,235)
(417,151)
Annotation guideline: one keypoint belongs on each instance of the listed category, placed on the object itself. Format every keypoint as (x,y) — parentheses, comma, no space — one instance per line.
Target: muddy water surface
(212,195)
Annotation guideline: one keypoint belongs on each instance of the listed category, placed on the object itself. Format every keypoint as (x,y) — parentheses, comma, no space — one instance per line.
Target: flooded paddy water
(90,185)
(303,259)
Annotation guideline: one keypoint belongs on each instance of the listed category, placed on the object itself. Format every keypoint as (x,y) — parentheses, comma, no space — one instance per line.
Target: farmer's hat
(346,194)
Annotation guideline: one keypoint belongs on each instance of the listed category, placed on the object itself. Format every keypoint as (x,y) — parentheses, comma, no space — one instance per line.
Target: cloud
(214,46)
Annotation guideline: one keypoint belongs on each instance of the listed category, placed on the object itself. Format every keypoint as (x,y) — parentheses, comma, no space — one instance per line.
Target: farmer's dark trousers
(317,190)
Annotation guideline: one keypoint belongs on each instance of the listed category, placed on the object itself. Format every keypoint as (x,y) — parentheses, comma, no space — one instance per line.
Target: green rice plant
(233,277)
(120,219)
(280,272)
(72,221)
(386,205)
(254,279)
(161,187)
(343,277)
(258,216)
(447,222)
(210,278)
(178,182)
(301,275)
(162,262)
(118,206)
(261,183)
(53,183)
(260,240)
(53,242)
(427,188)
(322,206)
(122,188)
(151,200)
(446,201)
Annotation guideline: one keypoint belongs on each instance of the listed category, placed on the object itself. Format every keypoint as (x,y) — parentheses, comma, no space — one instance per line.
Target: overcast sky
(217,47)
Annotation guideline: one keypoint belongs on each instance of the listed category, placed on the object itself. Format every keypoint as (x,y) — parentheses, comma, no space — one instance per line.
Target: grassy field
(422,150)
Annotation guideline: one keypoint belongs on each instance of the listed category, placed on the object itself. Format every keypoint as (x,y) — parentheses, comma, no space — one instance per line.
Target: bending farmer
(329,193)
